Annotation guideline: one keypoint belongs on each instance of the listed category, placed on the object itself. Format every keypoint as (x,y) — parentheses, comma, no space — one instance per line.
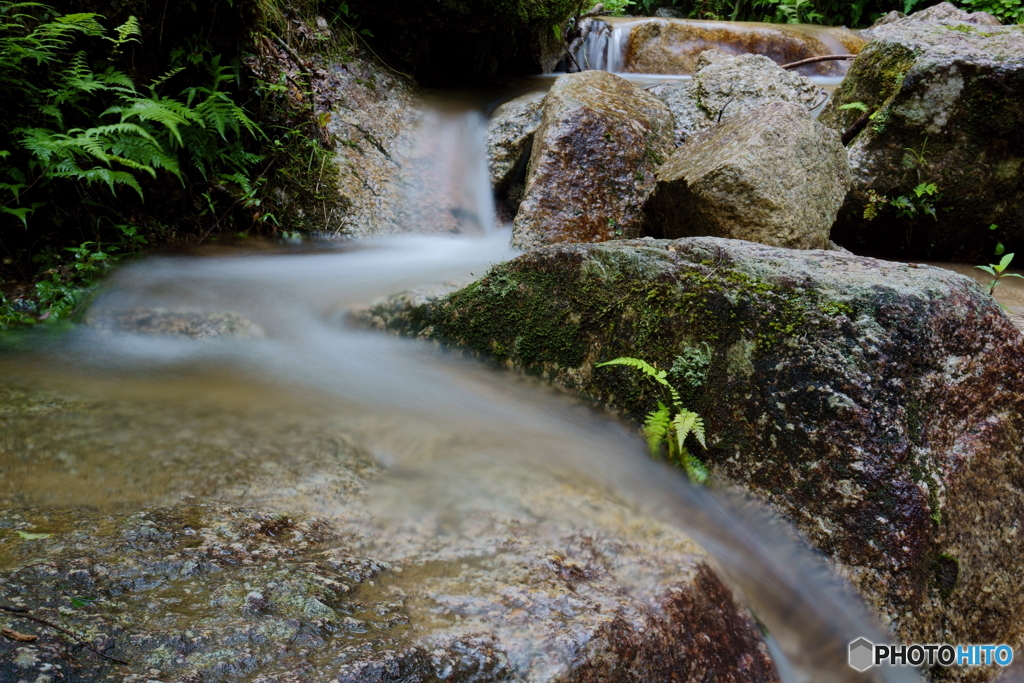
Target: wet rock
(368,117)
(876,405)
(546,579)
(944,94)
(673,46)
(772,175)
(459,41)
(193,324)
(509,142)
(724,86)
(593,161)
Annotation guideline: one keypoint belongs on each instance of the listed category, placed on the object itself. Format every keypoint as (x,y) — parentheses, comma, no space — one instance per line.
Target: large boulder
(879,406)
(725,86)
(944,100)
(673,46)
(455,41)
(773,175)
(557,581)
(593,161)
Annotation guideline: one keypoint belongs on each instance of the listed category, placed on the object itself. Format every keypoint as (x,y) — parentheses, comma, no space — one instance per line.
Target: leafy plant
(1008,11)
(670,426)
(998,270)
(75,131)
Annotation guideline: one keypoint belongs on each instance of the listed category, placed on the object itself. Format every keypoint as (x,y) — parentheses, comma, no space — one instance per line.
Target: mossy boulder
(453,41)
(878,406)
(772,175)
(594,157)
(944,99)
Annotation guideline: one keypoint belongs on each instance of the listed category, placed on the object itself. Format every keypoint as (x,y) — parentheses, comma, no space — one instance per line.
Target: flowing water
(220,418)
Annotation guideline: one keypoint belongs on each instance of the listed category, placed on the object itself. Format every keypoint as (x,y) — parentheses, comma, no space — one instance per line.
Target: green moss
(945,574)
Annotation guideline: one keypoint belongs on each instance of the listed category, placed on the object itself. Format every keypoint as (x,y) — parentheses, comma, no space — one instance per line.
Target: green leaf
(1000,249)
(641,365)
(987,269)
(1013,275)
(859,106)
(1004,263)
(32,537)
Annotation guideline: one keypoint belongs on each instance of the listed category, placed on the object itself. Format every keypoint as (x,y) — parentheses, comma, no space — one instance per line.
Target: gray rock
(510,136)
(945,93)
(509,142)
(724,86)
(879,406)
(943,13)
(369,116)
(593,161)
(772,175)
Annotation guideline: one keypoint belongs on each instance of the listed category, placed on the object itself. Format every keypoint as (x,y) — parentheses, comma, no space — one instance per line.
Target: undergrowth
(852,13)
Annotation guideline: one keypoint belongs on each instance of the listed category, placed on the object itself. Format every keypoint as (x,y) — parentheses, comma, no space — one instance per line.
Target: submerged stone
(593,161)
(878,406)
(772,175)
(936,99)
(564,584)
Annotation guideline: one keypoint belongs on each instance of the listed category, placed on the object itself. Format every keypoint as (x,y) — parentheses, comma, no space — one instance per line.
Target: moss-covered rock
(594,157)
(945,105)
(446,41)
(876,405)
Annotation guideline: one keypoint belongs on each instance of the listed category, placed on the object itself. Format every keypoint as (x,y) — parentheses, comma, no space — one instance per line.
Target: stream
(220,418)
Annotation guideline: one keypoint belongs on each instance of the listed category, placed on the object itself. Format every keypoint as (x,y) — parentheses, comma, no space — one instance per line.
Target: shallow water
(264,419)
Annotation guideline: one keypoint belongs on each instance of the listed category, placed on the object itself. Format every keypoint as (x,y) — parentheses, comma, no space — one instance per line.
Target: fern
(656,427)
(662,428)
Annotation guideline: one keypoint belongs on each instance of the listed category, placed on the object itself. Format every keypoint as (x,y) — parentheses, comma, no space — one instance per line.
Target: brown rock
(673,46)
(773,176)
(593,161)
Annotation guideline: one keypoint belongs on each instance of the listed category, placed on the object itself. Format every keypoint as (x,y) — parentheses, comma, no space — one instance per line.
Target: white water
(462,430)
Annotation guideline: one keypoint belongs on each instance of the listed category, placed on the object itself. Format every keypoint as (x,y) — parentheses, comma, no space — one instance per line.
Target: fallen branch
(21,613)
(812,60)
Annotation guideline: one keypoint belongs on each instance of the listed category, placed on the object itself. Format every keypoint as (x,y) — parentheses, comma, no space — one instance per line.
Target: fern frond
(641,365)
(656,426)
(687,422)
(695,469)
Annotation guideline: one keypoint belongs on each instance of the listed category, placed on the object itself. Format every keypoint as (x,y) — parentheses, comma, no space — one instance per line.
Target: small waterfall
(446,187)
(604,47)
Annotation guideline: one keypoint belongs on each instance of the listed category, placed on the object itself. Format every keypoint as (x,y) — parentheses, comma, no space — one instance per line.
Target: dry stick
(20,613)
(812,60)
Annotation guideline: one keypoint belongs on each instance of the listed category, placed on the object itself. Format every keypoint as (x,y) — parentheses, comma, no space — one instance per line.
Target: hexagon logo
(862,654)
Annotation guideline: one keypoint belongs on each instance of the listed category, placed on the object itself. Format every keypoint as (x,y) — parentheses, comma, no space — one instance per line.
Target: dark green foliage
(91,161)
(852,13)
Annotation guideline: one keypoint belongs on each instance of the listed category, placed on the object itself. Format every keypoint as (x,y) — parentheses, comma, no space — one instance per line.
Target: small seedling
(997,271)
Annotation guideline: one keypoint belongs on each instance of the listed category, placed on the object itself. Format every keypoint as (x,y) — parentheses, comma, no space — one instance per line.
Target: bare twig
(21,613)
(812,60)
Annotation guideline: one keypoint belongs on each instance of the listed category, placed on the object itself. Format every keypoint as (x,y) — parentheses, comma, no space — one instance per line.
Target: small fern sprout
(670,426)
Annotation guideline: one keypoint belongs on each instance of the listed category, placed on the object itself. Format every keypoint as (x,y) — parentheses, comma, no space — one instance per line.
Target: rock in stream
(878,406)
